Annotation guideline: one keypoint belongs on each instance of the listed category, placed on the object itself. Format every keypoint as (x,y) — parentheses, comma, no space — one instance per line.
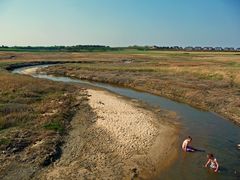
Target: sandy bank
(115,138)
(30,71)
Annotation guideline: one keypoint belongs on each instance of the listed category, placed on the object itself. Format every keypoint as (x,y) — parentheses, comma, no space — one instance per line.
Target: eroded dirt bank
(117,139)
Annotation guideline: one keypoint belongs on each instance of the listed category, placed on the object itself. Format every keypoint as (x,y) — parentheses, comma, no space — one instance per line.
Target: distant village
(197,48)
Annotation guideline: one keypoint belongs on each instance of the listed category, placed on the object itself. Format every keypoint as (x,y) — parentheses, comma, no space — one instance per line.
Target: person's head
(210,156)
(190,138)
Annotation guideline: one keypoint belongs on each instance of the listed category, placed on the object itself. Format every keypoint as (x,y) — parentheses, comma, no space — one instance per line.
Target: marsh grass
(208,80)
(23,100)
(31,111)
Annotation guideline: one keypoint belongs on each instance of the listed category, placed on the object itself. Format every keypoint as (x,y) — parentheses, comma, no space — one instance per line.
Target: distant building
(208,48)
(228,49)
(238,49)
(198,48)
(218,48)
(177,48)
(189,48)
(153,47)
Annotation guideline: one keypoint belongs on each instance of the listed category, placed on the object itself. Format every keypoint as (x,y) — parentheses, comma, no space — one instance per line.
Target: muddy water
(210,132)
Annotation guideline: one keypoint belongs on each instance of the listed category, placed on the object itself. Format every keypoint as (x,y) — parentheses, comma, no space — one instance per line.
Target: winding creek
(210,132)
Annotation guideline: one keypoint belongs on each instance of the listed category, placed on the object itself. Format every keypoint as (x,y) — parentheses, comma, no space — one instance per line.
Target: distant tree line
(77,48)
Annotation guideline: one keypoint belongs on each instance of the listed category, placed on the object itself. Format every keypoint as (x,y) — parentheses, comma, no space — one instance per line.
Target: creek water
(210,132)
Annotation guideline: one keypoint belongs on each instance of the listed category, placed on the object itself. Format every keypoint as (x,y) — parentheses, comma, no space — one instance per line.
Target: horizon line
(135,45)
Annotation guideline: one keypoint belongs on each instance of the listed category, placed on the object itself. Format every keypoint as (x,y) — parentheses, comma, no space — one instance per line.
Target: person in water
(186,145)
(213,163)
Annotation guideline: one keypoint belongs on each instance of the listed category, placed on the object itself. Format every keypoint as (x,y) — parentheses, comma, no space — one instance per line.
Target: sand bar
(119,138)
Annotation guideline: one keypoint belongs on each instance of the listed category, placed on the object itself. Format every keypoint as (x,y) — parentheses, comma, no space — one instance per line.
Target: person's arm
(206,165)
(216,170)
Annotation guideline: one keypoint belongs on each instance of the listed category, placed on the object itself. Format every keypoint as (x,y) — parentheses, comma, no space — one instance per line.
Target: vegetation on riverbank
(35,116)
(77,48)
(209,81)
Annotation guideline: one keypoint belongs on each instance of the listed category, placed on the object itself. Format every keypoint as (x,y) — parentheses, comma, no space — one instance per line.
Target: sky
(120,22)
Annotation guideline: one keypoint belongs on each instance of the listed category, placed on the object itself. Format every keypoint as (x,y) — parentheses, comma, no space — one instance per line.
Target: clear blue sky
(120,22)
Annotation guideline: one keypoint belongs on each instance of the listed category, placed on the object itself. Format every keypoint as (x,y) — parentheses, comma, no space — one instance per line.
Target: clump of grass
(212,76)
(13,114)
(4,141)
(3,124)
(13,107)
(233,64)
(56,126)
(17,119)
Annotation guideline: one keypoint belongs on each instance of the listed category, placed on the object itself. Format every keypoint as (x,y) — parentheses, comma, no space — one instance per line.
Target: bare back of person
(186,145)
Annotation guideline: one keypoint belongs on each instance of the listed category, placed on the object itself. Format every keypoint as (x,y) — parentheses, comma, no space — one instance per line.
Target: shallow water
(210,132)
